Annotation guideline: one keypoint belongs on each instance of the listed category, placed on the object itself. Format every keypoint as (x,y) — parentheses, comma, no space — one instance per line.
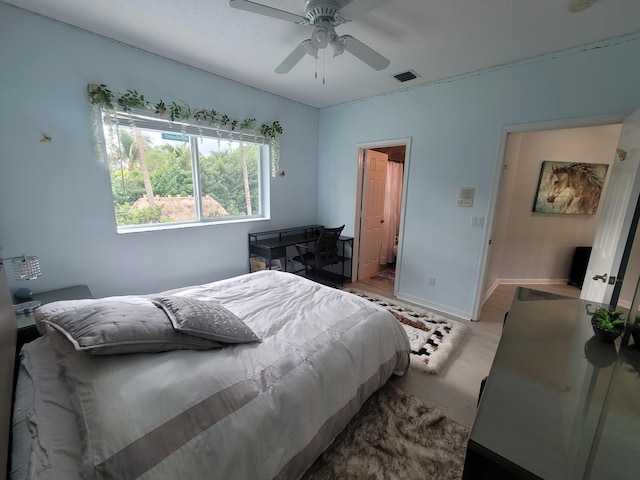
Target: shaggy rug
(394,436)
(433,337)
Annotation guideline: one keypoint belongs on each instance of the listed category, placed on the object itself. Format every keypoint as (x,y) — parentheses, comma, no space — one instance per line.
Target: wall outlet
(477,221)
(432,281)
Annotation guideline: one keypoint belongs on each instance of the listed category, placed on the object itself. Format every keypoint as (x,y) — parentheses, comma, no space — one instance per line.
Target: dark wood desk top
(558,402)
(286,231)
(288,236)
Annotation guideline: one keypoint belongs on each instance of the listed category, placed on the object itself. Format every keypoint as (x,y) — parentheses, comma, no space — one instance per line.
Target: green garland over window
(268,133)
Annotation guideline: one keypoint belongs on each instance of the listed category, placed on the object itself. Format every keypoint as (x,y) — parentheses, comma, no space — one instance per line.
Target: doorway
(532,248)
(382,170)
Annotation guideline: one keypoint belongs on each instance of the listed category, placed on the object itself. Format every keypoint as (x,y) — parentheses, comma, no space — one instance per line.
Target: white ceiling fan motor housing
(318,10)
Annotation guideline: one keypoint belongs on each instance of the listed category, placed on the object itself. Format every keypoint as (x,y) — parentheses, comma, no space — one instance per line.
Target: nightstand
(27,330)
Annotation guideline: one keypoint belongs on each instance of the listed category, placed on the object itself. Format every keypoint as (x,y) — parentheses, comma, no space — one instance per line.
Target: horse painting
(571,188)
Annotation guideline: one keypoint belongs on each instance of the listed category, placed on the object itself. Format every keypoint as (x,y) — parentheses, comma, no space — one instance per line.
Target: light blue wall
(455,128)
(55,199)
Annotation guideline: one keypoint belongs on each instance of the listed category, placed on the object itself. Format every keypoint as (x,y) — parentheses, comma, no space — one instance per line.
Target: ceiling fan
(323,16)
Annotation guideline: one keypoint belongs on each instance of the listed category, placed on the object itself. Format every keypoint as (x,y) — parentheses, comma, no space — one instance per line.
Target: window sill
(173,226)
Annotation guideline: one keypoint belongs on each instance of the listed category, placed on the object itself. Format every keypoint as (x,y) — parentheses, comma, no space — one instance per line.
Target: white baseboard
(533,281)
(624,304)
(490,291)
(456,314)
(522,281)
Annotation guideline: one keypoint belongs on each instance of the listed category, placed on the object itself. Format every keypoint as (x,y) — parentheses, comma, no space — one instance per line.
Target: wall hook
(45,138)
(622,154)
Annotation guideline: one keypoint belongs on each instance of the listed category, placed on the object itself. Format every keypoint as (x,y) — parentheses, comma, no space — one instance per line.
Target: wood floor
(455,389)
(372,282)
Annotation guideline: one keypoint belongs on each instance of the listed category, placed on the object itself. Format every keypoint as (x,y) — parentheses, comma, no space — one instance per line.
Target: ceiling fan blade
(359,8)
(293,58)
(253,7)
(366,54)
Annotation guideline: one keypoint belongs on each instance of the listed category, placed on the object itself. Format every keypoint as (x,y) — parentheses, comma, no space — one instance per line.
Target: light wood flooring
(372,282)
(455,389)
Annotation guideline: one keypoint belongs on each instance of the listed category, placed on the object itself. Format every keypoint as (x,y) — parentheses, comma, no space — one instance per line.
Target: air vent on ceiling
(406,76)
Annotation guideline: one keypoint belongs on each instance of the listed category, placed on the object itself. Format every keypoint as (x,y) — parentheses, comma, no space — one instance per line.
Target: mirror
(626,294)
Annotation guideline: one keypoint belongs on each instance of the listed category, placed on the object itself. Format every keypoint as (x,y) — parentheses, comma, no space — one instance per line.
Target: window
(169,173)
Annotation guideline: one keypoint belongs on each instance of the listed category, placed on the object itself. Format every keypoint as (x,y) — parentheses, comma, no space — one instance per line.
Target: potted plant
(607,323)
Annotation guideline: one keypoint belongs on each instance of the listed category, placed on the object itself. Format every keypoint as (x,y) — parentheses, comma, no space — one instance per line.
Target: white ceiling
(435,38)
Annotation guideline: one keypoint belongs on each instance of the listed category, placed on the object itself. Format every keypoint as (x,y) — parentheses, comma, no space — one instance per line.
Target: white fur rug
(433,337)
(394,436)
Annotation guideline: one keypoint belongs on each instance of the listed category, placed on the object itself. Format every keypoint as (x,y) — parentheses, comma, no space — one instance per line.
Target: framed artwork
(570,188)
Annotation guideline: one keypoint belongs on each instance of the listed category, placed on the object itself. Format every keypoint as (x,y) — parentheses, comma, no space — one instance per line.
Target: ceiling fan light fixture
(323,16)
(337,45)
(311,50)
(320,37)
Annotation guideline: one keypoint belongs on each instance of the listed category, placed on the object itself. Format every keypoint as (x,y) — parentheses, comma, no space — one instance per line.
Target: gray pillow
(116,325)
(206,319)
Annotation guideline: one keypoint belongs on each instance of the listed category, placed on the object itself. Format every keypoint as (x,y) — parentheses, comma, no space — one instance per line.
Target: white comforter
(250,411)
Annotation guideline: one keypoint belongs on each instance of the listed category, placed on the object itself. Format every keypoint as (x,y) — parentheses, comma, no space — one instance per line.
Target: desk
(268,249)
(558,404)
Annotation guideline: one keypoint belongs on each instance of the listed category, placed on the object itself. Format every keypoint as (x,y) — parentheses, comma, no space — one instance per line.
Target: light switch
(465,197)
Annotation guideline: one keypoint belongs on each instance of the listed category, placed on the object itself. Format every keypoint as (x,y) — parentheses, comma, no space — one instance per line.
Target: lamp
(24,267)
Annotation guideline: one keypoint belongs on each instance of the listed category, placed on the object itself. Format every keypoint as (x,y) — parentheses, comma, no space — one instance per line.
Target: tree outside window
(163,177)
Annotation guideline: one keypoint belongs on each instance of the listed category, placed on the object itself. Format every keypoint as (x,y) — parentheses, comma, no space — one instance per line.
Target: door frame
(593,121)
(361,147)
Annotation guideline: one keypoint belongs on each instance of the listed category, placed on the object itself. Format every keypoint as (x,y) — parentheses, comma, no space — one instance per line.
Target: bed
(259,395)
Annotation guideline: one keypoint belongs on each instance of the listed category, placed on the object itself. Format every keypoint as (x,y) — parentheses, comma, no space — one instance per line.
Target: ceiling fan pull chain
(324,64)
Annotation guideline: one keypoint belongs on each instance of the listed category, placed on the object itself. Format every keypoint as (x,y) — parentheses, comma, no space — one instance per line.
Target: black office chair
(323,252)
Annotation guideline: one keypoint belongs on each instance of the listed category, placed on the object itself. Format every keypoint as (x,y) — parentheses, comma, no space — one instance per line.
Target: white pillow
(205,319)
(116,325)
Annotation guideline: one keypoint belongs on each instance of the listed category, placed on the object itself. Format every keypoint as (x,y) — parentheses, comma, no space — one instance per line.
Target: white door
(617,207)
(373,185)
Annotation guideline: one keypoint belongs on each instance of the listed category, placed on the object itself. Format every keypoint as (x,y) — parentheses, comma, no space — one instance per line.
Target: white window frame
(141,119)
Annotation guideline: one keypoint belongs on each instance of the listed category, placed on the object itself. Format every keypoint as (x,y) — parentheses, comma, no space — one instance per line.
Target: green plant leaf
(161,108)
(607,319)
(99,94)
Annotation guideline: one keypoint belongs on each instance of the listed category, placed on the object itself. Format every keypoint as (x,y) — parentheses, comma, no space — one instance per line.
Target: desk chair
(323,252)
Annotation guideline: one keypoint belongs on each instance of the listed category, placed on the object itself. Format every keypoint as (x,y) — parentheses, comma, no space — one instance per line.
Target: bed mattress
(258,410)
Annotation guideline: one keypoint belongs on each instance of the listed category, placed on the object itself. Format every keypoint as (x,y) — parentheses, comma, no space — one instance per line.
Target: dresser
(558,403)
